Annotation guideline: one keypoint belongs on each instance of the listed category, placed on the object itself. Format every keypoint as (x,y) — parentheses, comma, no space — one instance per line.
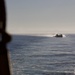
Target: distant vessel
(58,35)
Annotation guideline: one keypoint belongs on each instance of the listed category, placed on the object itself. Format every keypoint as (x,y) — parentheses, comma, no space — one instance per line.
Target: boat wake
(46,35)
(64,35)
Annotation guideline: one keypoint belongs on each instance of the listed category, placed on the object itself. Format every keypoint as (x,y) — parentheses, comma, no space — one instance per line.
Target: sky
(40,16)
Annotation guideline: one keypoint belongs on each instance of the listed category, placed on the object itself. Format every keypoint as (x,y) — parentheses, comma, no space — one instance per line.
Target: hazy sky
(40,16)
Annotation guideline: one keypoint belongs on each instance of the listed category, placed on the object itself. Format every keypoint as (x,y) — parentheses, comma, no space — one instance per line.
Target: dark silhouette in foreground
(59,35)
(4,39)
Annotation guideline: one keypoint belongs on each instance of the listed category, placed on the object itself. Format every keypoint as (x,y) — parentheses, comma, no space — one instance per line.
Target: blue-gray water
(40,55)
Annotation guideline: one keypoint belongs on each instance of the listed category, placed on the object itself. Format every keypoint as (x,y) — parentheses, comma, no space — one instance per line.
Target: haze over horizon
(40,16)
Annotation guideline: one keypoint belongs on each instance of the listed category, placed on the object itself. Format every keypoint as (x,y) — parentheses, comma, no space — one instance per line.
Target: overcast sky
(40,16)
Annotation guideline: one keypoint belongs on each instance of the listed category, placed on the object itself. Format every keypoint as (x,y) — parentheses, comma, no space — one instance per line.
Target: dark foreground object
(58,35)
(4,39)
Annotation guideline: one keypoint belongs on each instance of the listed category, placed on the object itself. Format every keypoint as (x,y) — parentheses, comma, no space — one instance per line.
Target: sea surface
(42,55)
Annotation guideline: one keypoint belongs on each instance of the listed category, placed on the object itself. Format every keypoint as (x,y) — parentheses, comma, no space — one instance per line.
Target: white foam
(44,35)
(64,35)
(47,35)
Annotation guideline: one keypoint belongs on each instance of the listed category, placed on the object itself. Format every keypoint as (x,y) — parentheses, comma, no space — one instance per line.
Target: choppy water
(40,55)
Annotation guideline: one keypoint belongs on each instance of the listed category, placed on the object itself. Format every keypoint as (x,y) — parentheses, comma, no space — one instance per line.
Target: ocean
(42,55)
